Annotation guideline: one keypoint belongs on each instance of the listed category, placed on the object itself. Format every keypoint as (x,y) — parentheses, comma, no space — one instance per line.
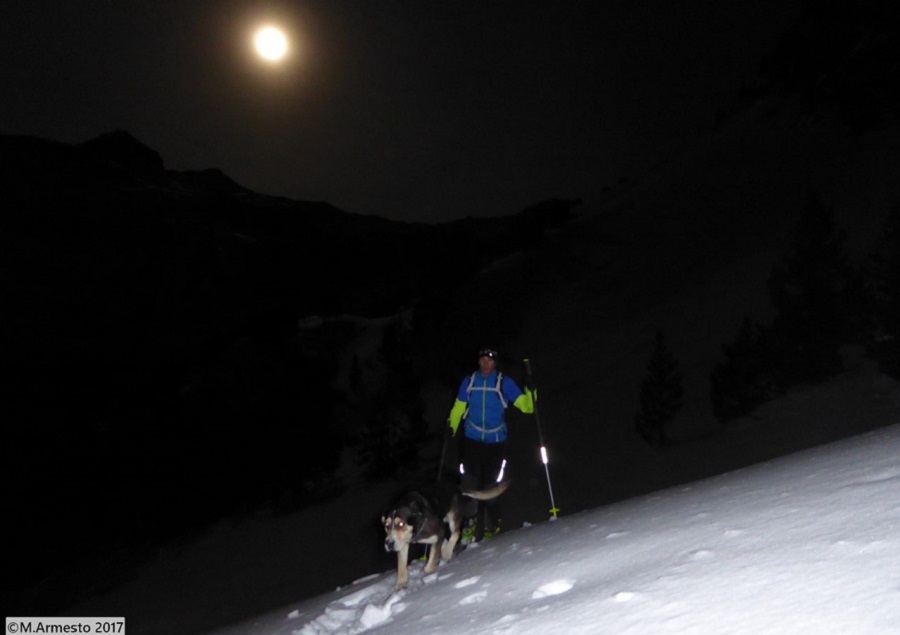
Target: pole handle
(527,363)
(530,382)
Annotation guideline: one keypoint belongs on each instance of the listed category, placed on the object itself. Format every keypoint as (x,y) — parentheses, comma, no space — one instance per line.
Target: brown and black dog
(431,516)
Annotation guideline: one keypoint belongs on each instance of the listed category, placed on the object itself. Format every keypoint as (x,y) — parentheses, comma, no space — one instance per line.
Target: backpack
(497,388)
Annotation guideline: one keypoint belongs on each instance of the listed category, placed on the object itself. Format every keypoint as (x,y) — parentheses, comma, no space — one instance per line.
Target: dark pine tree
(746,378)
(661,394)
(810,292)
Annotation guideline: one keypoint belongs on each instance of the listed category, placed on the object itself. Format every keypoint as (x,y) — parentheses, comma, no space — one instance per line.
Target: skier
(480,405)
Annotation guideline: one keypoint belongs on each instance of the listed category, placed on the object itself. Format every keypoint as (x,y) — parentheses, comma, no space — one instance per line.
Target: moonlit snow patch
(553,588)
(374,615)
(475,598)
(465,583)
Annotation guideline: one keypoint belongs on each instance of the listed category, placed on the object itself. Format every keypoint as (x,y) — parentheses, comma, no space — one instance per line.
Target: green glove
(456,415)
(526,401)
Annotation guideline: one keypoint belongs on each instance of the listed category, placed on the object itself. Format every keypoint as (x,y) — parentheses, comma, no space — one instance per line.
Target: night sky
(419,111)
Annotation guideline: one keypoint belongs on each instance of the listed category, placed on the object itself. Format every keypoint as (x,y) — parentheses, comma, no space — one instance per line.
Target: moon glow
(271,43)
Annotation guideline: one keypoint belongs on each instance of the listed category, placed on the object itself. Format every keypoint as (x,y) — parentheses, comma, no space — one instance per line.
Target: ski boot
(467,534)
(490,532)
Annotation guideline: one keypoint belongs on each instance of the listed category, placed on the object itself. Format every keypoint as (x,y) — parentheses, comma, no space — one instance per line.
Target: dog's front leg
(434,554)
(450,545)
(402,573)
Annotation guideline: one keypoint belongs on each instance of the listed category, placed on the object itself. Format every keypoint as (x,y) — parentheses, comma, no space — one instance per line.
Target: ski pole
(440,471)
(554,510)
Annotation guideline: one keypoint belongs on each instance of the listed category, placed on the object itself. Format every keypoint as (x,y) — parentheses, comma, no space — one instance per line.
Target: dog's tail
(487,494)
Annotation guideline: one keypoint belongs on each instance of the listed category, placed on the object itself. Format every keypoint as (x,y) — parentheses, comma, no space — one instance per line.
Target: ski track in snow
(370,606)
(375,602)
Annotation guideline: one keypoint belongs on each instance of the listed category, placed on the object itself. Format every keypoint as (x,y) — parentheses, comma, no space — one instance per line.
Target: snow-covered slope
(804,544)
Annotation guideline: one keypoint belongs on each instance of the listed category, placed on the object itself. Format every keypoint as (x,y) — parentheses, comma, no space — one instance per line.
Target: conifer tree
(660,393)
(809,292)
(746,378)
(817,296)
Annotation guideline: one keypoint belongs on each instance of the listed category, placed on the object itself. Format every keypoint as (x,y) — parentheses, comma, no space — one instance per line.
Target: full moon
(271,43)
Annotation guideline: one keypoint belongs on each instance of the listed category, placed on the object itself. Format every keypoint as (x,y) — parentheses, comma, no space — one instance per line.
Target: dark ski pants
(479,468)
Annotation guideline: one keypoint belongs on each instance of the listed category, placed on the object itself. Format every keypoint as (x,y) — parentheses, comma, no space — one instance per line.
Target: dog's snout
(388,544)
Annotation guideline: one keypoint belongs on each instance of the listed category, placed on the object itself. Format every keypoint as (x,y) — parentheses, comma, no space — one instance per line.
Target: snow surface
(808,543)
